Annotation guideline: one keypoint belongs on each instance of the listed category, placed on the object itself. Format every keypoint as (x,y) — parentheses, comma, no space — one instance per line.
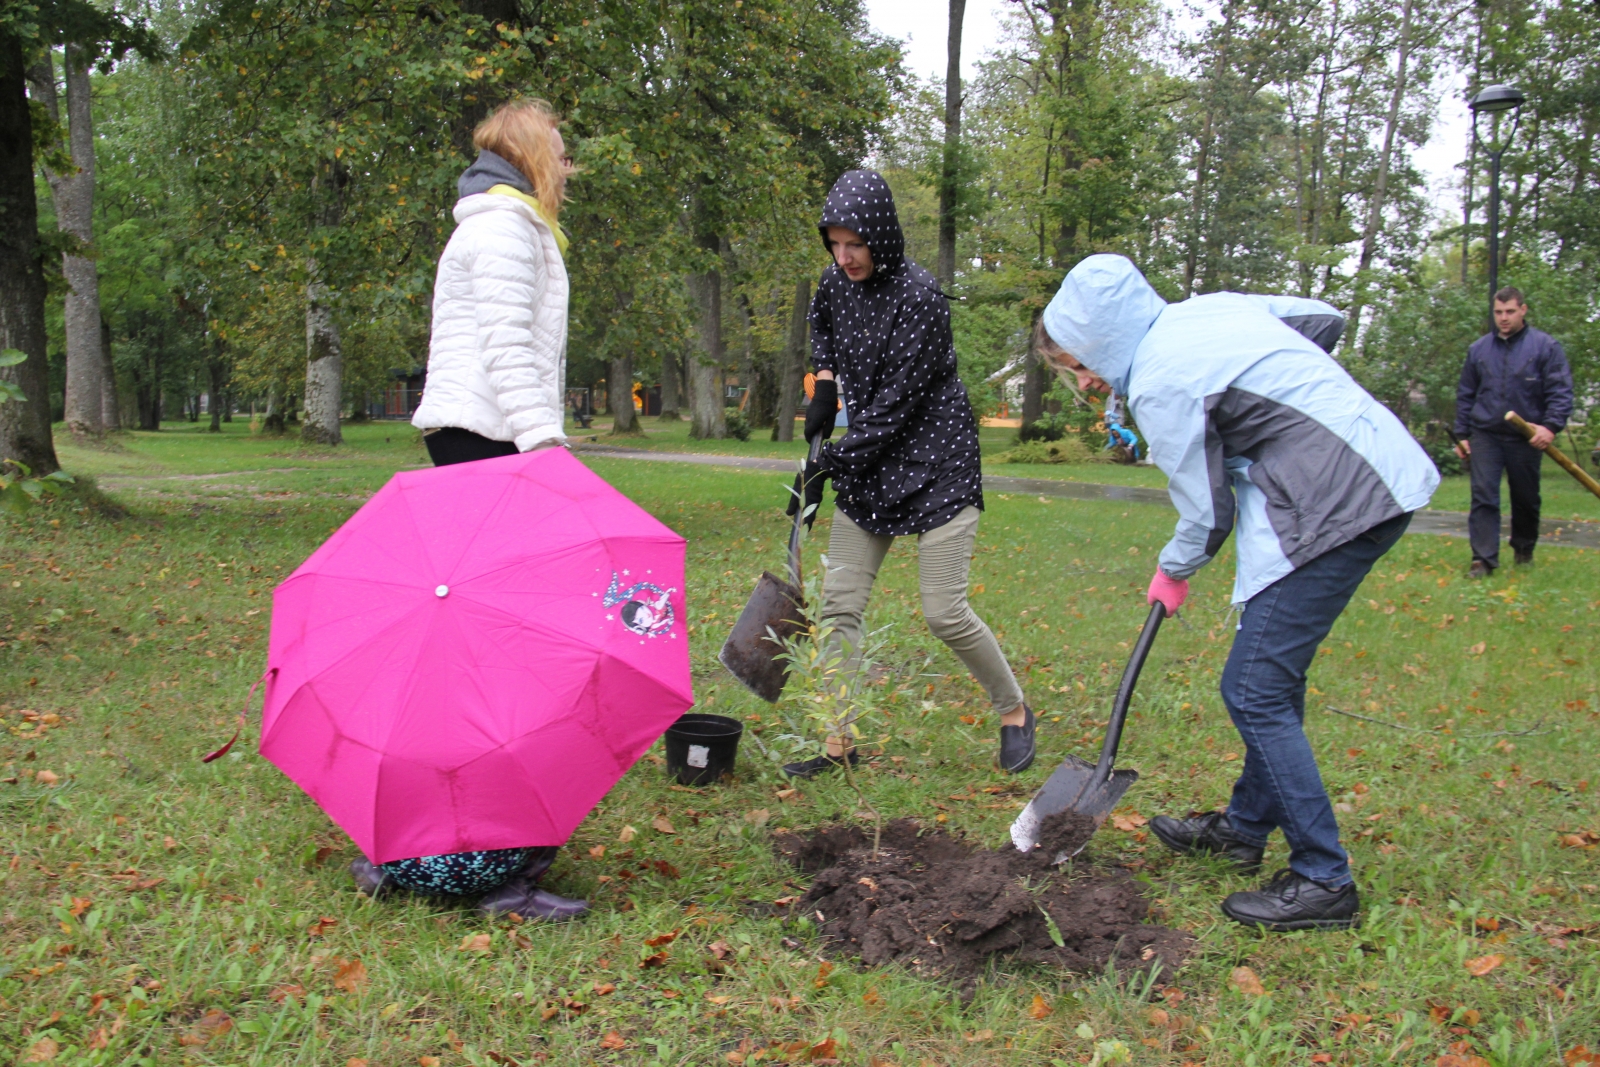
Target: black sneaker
(1017,746)
(1292,901)
(1212,834)
(812,767)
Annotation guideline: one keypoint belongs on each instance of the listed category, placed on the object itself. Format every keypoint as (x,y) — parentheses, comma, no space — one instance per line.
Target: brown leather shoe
(1479,569)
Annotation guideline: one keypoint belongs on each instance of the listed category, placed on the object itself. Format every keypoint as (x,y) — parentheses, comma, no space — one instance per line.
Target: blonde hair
(1045,347)
(520,133)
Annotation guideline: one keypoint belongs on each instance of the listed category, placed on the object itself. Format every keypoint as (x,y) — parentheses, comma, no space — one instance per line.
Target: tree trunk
(24,426)
(1036,382)
(619,396)
(791,378)
(324,367)
(1369,236)
(670,372)
(74,195)
(214,366)
(949,179)
(706,417)
(110,405)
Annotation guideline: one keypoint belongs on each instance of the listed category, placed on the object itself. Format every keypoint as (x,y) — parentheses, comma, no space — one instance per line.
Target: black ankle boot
(1292,901)
(1207,834)
(1017,746)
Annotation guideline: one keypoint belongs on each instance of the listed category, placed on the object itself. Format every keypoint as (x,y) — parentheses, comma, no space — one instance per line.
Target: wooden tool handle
(1556,454)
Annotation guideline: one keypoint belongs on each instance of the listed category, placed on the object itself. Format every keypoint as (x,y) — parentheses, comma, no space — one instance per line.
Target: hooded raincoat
(1252,421)
(909,461)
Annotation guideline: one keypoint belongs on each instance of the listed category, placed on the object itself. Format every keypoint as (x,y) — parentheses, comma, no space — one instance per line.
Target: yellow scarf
(538,209)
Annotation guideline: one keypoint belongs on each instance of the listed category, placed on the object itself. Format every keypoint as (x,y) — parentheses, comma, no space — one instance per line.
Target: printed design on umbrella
(646,609)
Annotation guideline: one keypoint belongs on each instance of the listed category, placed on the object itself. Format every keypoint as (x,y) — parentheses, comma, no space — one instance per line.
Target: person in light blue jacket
(1263,435)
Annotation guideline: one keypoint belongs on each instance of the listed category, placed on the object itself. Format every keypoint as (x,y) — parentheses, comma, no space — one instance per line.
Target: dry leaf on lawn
(41,1051)
(661,939)
(1482,965)
(475,943)
(1041,1007)
(350,977)
(1248,982)
(613,1040)
(663,824)
(1128,821)
(627,834)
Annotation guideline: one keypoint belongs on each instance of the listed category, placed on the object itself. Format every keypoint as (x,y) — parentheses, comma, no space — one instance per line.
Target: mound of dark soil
(942,906)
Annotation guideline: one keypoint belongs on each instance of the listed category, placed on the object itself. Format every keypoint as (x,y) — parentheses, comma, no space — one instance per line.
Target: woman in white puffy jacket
(495,364)
(494,389)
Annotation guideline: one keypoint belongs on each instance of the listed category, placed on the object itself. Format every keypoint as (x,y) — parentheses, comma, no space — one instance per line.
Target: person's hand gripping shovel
(773,614)
(1086,790)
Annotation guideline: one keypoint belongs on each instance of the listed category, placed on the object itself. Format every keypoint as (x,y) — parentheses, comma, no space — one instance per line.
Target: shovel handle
(800,514)
(1556,454)
(1119,710)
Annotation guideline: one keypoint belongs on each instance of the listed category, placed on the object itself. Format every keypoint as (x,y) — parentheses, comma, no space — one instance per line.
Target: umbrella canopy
(477,656)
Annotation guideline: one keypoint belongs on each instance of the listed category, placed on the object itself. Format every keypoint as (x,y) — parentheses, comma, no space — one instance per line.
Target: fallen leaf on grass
(1581,839)
(350,977)
(719,1001)
(1041,1007)
(597,852)
(322,926)
(47,778)
(427,1061)
(169,843)
(602,990)
(628,833)
(287,992)
(355,1061)
(1478,649)
(658,960)
(1453,1060)
(1128,821)
(613,1040)
(41,1051)
(661,939)
(79,906)
(662,824)
(757,816)
(720,949)
(502,1058)
(1482,965)
(1489,923)
(1580,1056)
(821,981)
(784,902)
(213,1023)
(475,943)
(981,1035)
(1248,982)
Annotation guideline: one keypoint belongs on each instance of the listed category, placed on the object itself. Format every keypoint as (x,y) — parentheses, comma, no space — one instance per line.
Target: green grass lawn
(163,911)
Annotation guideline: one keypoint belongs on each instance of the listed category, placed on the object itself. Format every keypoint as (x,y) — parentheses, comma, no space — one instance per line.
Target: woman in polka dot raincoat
(908,462)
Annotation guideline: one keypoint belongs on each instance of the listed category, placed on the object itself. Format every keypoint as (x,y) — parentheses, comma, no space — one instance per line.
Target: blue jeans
(1264,688)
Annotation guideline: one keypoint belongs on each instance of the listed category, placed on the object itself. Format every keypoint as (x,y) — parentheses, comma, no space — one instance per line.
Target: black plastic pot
(701,748)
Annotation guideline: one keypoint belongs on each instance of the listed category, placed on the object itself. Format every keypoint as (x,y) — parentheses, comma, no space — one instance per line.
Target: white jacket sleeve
(1188,450)
(509,280)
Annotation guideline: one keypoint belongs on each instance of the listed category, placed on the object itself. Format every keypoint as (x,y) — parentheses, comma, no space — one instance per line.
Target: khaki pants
(944,558)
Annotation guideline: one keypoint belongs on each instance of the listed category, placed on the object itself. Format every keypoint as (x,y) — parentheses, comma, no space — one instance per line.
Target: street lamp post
(1494,100)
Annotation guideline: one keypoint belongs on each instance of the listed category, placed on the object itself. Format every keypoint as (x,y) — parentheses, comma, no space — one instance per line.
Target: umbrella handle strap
(248,698)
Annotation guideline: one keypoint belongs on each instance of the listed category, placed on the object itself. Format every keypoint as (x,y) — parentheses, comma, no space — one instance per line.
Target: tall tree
(949,177)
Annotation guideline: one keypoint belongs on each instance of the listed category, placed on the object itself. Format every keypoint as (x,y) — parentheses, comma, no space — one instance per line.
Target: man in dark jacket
(908,464)
(1516,368)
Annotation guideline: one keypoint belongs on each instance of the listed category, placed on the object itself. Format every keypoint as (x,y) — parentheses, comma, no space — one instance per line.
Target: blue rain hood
(1101,313)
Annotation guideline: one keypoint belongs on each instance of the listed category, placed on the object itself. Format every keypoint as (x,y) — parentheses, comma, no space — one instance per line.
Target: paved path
(1579,534)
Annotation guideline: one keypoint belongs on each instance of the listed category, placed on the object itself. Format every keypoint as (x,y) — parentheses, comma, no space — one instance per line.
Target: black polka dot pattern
(909,462)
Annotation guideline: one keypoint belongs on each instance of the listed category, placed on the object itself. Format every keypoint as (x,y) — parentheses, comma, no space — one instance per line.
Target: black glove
(808,489)
(823,410)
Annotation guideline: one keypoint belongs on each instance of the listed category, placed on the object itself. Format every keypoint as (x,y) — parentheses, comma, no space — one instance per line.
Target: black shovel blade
(1071,788)
(751,652)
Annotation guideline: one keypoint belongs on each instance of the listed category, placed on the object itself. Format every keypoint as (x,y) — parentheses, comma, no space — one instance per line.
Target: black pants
(455,445)
(1491,454)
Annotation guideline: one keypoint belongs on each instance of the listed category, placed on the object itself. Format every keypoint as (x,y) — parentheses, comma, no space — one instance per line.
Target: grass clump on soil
(157,910)
(1069,449)
(941,906)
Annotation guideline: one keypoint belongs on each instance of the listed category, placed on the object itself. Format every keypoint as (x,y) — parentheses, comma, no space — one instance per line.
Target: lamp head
(1497,98)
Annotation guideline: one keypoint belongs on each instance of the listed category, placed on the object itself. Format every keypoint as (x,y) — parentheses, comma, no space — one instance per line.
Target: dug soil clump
(943,907)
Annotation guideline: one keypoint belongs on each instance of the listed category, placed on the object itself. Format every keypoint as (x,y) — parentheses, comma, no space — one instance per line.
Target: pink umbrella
(477,656)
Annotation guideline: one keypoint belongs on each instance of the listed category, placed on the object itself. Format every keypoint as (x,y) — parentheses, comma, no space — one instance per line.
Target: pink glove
(1169,592)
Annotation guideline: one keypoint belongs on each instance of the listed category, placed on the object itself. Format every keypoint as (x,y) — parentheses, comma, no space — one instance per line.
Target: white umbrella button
(443,590)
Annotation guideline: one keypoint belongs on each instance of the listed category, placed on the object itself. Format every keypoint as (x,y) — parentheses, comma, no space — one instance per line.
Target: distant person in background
(494,389)
(1515,368)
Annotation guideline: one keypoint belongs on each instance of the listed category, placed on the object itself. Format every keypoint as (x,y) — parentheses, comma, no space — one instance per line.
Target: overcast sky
(922,25)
